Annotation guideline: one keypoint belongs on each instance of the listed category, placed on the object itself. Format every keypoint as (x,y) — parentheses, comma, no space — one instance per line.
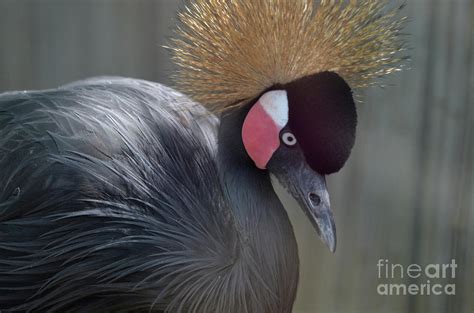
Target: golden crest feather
(230,51)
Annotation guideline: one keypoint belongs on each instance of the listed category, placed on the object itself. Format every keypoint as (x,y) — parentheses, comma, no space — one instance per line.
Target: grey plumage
(115,197)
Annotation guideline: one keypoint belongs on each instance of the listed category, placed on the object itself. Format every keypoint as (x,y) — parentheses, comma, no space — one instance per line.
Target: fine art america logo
(436,279)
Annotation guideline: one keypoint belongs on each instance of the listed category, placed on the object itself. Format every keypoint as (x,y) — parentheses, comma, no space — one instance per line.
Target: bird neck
(249,189)
(238,171)
(267,244)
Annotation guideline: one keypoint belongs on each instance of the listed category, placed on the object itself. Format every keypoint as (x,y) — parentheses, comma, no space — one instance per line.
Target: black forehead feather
(322,114)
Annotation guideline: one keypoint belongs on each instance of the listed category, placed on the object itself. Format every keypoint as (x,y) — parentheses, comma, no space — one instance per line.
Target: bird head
(301,132)
(291,66)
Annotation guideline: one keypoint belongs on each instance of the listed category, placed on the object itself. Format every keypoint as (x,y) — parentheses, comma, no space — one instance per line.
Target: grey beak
(323,221)
(309,189)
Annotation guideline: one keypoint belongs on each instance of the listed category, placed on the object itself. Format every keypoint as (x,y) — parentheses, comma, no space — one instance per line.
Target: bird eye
(288,139)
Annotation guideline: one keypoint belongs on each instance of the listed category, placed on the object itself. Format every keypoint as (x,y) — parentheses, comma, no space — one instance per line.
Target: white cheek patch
(275,104)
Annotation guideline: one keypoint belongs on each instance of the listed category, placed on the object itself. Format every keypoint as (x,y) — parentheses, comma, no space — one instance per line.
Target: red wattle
(260,135)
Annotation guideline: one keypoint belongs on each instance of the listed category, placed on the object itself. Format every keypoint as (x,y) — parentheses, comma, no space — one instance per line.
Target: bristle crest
(230,51)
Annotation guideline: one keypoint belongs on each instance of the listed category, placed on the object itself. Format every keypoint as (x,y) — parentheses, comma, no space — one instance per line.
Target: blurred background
(407,192)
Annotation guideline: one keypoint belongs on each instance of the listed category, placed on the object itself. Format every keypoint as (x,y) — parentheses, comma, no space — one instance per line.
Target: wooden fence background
(407,193)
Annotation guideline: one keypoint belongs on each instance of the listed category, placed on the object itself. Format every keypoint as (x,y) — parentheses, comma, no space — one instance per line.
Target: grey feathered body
(113,198)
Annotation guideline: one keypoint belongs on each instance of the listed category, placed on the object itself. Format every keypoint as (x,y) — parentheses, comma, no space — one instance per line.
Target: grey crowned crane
(121,195)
